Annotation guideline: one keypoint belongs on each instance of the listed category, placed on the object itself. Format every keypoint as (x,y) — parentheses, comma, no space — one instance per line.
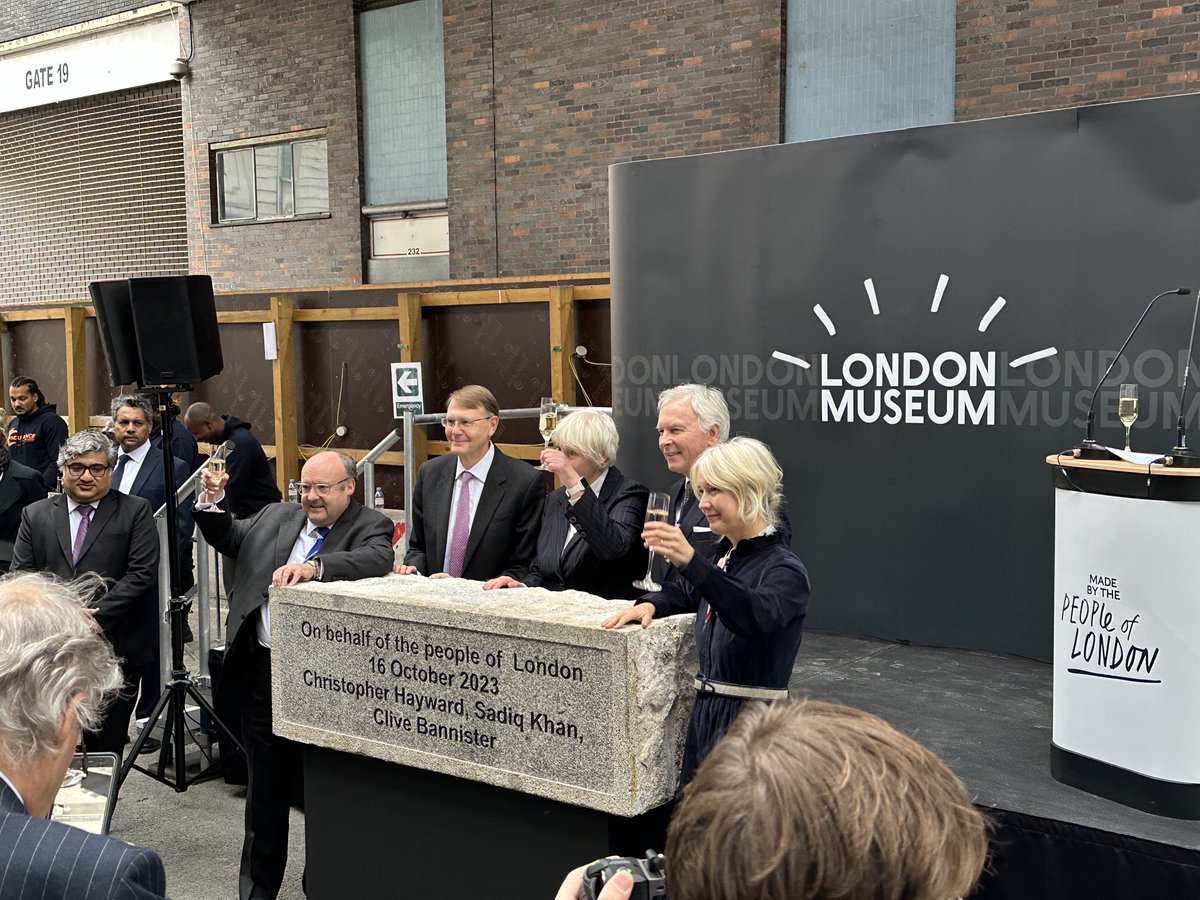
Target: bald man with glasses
(476,512)
(328,536)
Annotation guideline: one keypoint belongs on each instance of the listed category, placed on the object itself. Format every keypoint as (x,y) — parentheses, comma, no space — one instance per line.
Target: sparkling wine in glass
(658,509)
(547,422)
(1127,408)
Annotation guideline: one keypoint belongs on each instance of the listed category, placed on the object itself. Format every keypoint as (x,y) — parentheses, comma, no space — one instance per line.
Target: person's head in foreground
(804,800)
(56,674)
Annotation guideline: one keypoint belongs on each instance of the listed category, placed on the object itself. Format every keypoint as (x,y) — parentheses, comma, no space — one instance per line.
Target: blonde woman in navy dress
(749,595)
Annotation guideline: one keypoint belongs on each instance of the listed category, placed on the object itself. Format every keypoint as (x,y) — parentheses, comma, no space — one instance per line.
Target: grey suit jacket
(121,545)
(359,545)
(41,858)
(504,532)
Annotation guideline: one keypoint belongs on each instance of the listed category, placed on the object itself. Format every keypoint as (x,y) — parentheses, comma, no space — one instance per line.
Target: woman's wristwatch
(574,493)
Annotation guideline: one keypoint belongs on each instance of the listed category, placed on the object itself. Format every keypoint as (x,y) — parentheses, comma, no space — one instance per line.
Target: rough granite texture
(516,688)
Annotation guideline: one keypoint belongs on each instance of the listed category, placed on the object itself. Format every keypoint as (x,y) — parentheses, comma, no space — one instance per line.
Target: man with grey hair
(691,418)
(56,673)
(89,527)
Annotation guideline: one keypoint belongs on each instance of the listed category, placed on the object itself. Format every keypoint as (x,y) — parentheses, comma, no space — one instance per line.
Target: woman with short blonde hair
(749,599)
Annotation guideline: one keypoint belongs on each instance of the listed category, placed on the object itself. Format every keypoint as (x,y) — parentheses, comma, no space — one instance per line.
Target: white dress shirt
(136,458)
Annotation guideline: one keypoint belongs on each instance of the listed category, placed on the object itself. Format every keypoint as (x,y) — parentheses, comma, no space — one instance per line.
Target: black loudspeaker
(160,330)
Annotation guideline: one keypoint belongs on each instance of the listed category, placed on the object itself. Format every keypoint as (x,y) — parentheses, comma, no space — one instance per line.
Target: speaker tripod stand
(171,708)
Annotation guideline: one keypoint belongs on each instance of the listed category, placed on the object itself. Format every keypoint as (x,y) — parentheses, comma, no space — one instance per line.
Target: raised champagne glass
(547,422)
(658,509)
(1127,409)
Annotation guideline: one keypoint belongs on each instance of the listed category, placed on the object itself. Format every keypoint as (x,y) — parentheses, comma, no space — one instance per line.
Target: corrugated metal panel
(401,61)
(91,189)
(868,65)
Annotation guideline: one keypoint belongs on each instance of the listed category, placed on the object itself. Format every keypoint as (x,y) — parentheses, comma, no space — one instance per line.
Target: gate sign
(406,388)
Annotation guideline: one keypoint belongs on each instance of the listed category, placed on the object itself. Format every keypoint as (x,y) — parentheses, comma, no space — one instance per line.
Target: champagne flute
(547,422)
(658,509)
(1127,409)
(216,460)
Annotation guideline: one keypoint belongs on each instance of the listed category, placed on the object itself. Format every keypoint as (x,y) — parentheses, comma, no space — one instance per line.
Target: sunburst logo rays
(939,293)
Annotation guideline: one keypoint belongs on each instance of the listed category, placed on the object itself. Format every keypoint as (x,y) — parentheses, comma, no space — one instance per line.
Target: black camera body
(649,876)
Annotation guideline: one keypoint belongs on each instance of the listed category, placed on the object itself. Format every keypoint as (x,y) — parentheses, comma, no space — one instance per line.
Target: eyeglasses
(322,489)
(77,469)
(463,423)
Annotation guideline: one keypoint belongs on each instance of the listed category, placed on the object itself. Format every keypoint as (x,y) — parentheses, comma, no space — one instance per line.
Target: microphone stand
(1181,455)
(1090,448)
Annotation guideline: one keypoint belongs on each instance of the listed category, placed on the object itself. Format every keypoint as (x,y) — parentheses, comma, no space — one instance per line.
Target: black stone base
(378,830)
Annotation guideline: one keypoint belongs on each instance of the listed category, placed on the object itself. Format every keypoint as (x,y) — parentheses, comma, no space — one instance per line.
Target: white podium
(1127,633)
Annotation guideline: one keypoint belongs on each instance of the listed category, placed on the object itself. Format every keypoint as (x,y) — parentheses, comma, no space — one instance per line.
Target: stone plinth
(518,688)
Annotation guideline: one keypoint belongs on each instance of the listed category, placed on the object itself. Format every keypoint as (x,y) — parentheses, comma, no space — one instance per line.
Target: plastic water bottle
(293,491)
(379,499)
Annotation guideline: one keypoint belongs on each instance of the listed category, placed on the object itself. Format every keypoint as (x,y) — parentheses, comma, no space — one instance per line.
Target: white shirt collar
(480,469)
(599,482)
(138,455)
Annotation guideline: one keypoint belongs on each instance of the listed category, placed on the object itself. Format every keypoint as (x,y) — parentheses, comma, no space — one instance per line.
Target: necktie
(685,498)
(321,532)
(85,516)
(462,527)
(121,463)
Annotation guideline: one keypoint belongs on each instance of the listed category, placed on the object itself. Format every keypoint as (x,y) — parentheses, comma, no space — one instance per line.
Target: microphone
(1181,455)
(1091,448)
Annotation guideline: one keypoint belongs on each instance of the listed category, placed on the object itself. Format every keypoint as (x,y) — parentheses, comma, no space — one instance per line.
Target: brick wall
(581,86)
(1047,54)
(90,189)
(22,18)
(262,69)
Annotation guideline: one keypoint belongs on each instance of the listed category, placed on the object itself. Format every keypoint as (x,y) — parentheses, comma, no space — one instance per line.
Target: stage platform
(989,718)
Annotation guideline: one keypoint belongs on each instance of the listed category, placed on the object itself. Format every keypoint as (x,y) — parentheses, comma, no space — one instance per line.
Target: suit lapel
(145,471)
(443,491)
(555,522)
(489,501)
(62,525)
(290,529)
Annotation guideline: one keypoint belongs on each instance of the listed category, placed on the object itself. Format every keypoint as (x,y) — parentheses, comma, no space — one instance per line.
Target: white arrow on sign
(407,382)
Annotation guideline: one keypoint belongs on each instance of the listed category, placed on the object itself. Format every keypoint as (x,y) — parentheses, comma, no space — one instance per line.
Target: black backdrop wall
(955,293)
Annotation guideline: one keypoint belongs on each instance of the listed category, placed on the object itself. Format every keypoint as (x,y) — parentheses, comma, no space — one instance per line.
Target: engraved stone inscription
(517,704)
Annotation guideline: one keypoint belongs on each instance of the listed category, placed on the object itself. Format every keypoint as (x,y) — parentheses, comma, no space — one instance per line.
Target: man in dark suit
(328,536)
(19,486)
(691,418)
(592,525)
(139,472)
(57,671)
(92,528)
(476,512)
